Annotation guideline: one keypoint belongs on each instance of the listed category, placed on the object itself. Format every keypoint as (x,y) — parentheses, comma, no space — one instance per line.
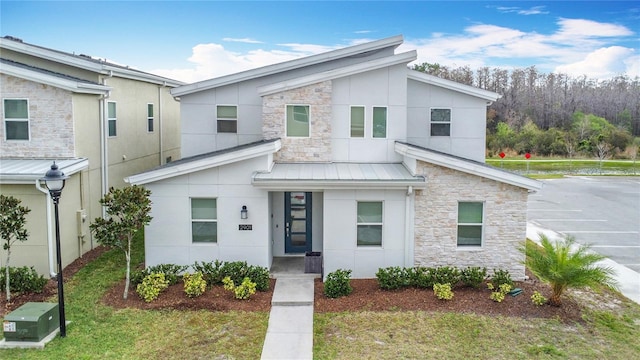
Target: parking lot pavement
(603,211)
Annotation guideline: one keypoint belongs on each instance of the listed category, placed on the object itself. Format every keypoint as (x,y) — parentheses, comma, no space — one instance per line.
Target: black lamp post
(54,180)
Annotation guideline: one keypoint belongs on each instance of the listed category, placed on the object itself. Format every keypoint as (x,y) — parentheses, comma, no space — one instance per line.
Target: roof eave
(66,84)
(452,85)
(20,179)
(312,185)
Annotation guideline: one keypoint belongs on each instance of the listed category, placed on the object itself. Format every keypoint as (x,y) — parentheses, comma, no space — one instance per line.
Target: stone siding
(436,212)
(50,120)
(315,148)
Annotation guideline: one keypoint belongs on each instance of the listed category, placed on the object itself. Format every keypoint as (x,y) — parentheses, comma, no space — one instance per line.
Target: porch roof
(319,176)
(27,171)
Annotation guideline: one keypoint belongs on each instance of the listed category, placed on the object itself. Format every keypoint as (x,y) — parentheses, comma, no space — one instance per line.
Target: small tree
(128,211)
(12,221)
(565,264)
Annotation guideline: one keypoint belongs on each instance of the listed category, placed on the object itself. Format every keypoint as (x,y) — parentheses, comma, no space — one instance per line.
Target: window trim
(227,119)
(114,119)
(381,223)
(386,122)
(21,120)
(192,220)
(458,224)
(150,119)
(364,122)
(286,119)
(431,122)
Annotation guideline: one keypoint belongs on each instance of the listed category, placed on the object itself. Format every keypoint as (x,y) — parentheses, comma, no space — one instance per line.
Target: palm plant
(564,264)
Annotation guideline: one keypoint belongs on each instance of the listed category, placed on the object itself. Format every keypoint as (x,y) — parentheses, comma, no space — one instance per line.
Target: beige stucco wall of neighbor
(436,209)
(50,120)
(316,147)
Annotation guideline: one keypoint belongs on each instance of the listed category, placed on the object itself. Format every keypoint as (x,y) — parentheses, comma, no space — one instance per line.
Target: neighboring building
(348,153)
(100,122)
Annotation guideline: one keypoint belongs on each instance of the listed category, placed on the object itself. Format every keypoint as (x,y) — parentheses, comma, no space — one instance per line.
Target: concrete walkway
(290,331)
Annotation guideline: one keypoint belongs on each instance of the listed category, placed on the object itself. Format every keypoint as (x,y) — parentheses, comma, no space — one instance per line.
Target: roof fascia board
(402,58)
(68,170)
(203,164)
(66,84)
(452,85)
(393,41)
(467,167)
(333,184)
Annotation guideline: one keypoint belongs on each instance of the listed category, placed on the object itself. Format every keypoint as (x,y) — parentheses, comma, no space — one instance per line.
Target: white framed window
(470,223)
(111,118)
(204,220)
(297,120)
(227,118)
(16,119)
(357,121)
(379,122)
(440,122)
(150,118)
(369,227)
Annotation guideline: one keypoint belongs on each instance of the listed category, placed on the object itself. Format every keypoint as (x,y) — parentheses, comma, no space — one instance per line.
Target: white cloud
(603,63)
(243,40)
(535,10)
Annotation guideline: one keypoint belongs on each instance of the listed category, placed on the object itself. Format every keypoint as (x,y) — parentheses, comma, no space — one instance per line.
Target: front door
(297,217)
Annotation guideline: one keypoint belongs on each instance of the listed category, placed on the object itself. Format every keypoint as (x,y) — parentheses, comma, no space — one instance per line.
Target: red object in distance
(527,156)
(501,155)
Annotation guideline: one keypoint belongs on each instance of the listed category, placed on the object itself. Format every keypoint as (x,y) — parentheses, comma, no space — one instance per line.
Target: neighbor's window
(227,116)
(470,216)
(204,221)
(440,122)
(16,119)
(111,118)
(150,117)
(379,122)
(369,223)
(357,121)
(298,120)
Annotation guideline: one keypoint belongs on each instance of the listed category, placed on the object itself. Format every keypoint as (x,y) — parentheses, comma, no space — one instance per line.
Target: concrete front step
(293,291)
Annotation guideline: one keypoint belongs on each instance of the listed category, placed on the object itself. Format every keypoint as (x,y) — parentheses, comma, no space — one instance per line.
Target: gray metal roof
(337,175)
(22,171)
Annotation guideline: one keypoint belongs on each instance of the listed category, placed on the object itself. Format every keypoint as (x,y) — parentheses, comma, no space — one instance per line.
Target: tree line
(554,114)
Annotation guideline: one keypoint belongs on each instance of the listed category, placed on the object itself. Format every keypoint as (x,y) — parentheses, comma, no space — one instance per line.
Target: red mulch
(366,296)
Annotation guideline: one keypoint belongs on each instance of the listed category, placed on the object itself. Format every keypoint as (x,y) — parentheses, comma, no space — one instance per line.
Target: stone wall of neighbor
(436,212)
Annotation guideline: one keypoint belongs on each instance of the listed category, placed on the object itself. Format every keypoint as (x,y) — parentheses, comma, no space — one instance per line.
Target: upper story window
(369,231)
(150,117)
(357,121)
(204,220)
(298,120)
(227,116)
(16,119)
(470,219)
(379,122)
(440,122)
(111,118)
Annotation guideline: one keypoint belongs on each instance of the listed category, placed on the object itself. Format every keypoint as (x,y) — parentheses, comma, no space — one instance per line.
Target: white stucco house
(348,153)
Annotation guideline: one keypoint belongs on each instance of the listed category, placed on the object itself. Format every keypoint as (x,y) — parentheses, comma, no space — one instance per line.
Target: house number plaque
(244,227)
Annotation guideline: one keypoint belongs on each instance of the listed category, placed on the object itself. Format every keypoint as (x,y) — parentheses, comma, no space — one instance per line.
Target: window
(470,217)
(440,122)
(357,121)
(204,221)
(379,122)
(111,118)
(150,117)
(227,116)
(16,119)
(369,223)
(298,120)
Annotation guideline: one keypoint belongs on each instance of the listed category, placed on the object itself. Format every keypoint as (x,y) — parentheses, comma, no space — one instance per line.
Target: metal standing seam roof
(344,175)
(23,171)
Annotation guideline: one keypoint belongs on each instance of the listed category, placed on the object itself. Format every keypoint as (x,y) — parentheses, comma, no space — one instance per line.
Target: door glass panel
(299,226)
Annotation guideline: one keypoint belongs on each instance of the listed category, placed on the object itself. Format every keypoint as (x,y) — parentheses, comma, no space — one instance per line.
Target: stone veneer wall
(317,147)
(436,212)
(50,120)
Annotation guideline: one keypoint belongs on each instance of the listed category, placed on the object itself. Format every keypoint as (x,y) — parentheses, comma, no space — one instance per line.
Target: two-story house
(98,121)
(348,153)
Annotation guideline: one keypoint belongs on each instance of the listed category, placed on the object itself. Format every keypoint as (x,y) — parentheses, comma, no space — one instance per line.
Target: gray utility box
(313,262)
(32,321)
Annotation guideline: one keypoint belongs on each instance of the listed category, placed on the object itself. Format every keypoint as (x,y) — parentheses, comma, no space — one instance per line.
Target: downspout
(409,260)
(104,158)
(50,247)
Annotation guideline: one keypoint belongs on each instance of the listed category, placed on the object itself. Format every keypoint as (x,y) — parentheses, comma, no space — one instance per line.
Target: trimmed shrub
(501,277)
(443,291)
(538,299)
(242,291)
(23,280)
(473,276)
(446,275)
(338,284)
(194,284)
(171,273)
(260,276)
(151,286)
(214,272)
(392,278)
(499,295)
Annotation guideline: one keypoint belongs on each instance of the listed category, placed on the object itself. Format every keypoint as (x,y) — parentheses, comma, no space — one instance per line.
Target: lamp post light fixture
(244,214)
(54,180)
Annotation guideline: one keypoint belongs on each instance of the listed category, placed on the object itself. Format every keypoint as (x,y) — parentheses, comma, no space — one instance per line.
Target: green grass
(566,166)
(101,332)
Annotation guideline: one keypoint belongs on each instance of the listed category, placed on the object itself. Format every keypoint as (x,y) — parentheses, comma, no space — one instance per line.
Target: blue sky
(197,40)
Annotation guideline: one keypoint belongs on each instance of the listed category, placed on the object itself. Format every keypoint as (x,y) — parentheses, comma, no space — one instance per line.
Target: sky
(197,40)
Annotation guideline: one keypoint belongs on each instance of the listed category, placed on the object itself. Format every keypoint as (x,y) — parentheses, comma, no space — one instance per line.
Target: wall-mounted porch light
(244,214)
